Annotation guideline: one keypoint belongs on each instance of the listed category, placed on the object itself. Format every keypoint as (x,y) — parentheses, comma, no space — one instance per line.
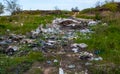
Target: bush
(111,6)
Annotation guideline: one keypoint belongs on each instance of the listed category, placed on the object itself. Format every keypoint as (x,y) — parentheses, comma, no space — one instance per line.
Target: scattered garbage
(27,41)
(88,64)
(105,24)
(97,52)
(86,31)
(92,23)
(55,60)
(49,62)
(3,43)
(75,50)
(81,45)
(58,36)
(71,66)
(98,59)
(71,22)
(11,49)
(86,56)
(61,71)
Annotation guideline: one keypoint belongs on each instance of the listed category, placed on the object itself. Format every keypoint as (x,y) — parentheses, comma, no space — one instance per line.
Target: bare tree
(12,6)
(1,8)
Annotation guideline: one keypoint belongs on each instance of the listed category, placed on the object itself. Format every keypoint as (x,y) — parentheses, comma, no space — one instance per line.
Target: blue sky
(61,4)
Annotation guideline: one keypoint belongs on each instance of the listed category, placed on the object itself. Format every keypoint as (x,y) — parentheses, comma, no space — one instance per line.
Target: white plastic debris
(82,45)
(85,31)
(75,50)
(105,24)
(21,24)
(8,30)
(74,45)
(61,71)
(87,63)
(71,66)
(27,41)
(92,23)
(15,48)
(55,60)
(98,59)
(86,56)
(51,41)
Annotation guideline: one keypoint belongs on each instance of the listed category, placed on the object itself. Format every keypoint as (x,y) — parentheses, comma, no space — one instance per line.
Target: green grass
(85,16)
(11,64)
(107,40)
(30,22)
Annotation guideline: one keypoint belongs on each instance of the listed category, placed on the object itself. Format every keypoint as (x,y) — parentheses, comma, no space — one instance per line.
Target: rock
(71,66)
